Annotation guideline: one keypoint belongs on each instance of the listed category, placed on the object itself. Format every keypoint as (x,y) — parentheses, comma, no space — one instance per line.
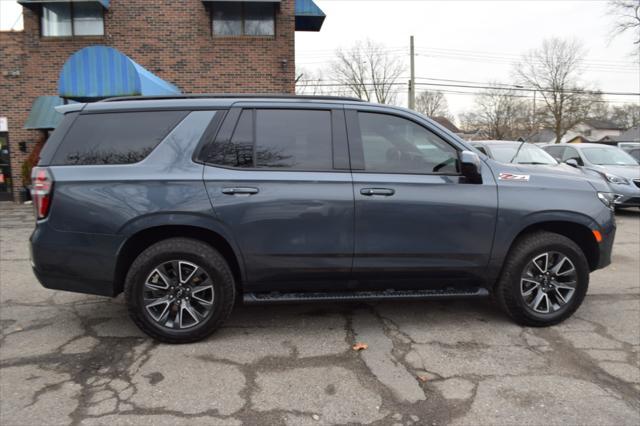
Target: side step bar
(362,296)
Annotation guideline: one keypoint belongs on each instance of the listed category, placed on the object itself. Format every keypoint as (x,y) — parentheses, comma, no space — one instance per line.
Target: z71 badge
(511,176)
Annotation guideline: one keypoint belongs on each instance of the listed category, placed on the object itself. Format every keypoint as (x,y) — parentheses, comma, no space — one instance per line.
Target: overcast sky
(475,40)
(464,40)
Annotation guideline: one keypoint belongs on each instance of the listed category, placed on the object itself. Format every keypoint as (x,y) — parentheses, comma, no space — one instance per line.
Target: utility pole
(534,122)
(412,82)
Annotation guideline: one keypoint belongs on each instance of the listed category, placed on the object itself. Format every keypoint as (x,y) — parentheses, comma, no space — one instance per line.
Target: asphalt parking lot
(75,359)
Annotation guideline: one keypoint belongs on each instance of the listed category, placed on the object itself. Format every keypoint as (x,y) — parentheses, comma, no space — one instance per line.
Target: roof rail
(231,95)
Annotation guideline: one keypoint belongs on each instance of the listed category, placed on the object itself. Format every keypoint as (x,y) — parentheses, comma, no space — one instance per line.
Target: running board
(362,296)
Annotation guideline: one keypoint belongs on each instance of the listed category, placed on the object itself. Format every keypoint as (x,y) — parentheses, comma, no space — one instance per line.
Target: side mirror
(470,166)
(572,162)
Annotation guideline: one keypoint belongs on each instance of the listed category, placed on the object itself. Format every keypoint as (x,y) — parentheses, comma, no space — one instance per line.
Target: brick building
(197,45)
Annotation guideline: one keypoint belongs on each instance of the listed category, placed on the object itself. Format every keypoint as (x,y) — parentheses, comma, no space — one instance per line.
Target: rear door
(418,223)
(278,177)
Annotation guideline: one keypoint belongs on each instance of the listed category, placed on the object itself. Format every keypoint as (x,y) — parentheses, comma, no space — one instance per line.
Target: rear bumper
(72,261)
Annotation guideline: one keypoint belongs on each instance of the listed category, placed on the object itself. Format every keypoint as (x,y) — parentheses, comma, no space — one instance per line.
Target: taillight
(41,191)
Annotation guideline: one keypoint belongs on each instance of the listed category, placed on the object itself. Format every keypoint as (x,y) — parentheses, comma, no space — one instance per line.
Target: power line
(322,53)
(315,83)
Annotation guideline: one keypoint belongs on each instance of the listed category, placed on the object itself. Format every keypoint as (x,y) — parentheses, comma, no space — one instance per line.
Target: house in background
(446,123)
(587,131)
(631,135)
(542,136)
(594,130)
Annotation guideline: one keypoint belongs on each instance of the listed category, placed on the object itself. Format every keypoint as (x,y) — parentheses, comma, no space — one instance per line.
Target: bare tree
(311,83)
(432,104)
(553,70)
(368,71)
(495,108)
(627,14)
(499,113)
(626,116)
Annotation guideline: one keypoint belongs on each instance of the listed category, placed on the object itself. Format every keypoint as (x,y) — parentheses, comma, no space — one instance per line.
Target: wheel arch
(143,237)
(578,232)
(574,225)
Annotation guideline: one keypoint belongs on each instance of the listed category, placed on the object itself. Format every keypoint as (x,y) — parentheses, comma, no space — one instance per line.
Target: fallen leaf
(360,346)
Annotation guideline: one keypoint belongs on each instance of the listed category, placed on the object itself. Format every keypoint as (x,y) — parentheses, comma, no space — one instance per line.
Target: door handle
(240,191)
(387,192)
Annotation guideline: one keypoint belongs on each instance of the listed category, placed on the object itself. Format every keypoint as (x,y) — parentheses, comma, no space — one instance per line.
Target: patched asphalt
(75,359)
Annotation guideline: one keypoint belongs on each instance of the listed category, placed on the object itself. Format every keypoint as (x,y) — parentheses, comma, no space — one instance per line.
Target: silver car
(631,148)
(514,152)
(621,171)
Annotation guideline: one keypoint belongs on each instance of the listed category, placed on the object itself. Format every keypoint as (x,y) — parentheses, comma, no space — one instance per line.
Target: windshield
(528,154)
(608,156)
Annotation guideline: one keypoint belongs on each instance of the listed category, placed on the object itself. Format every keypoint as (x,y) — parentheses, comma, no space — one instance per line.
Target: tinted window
(284,139)
(396,145)
(571,154)
(555,151)
(239,151)
(293,139)
(115,138)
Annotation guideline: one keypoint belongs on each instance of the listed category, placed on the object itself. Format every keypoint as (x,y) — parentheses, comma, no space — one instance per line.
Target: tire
(514,283)
(170,310)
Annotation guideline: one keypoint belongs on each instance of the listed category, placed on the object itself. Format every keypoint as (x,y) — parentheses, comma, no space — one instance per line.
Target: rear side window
(115,138)
(278,139)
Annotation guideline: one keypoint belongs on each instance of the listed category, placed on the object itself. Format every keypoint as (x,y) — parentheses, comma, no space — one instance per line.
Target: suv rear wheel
(179,290)
(544,280)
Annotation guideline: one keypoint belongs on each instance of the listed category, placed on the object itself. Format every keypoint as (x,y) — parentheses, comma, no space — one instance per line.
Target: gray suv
(618,168)
(190,204)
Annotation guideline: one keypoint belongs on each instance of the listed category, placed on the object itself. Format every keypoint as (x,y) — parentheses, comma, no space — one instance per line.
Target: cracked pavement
(76,359)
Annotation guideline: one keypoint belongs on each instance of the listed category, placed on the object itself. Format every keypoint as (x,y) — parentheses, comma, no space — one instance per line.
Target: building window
(243,18)
(72,19)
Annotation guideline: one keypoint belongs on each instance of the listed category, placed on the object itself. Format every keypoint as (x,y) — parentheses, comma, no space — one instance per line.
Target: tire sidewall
(141,270)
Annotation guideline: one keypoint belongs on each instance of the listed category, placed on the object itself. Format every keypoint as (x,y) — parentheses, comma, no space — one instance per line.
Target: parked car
(188,204)
(621,171)
(631,148)
(515,152)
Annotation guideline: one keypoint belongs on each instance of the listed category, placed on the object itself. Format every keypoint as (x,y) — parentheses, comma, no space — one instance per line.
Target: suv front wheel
(179,290)
(544,279)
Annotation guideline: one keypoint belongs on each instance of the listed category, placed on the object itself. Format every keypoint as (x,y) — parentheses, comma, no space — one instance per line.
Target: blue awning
(32,4)
(309,17)
(98,72)
(43,115)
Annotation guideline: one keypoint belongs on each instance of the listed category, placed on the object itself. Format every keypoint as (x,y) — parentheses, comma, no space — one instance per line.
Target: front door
(418,224)
(280,182)
(5,168)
